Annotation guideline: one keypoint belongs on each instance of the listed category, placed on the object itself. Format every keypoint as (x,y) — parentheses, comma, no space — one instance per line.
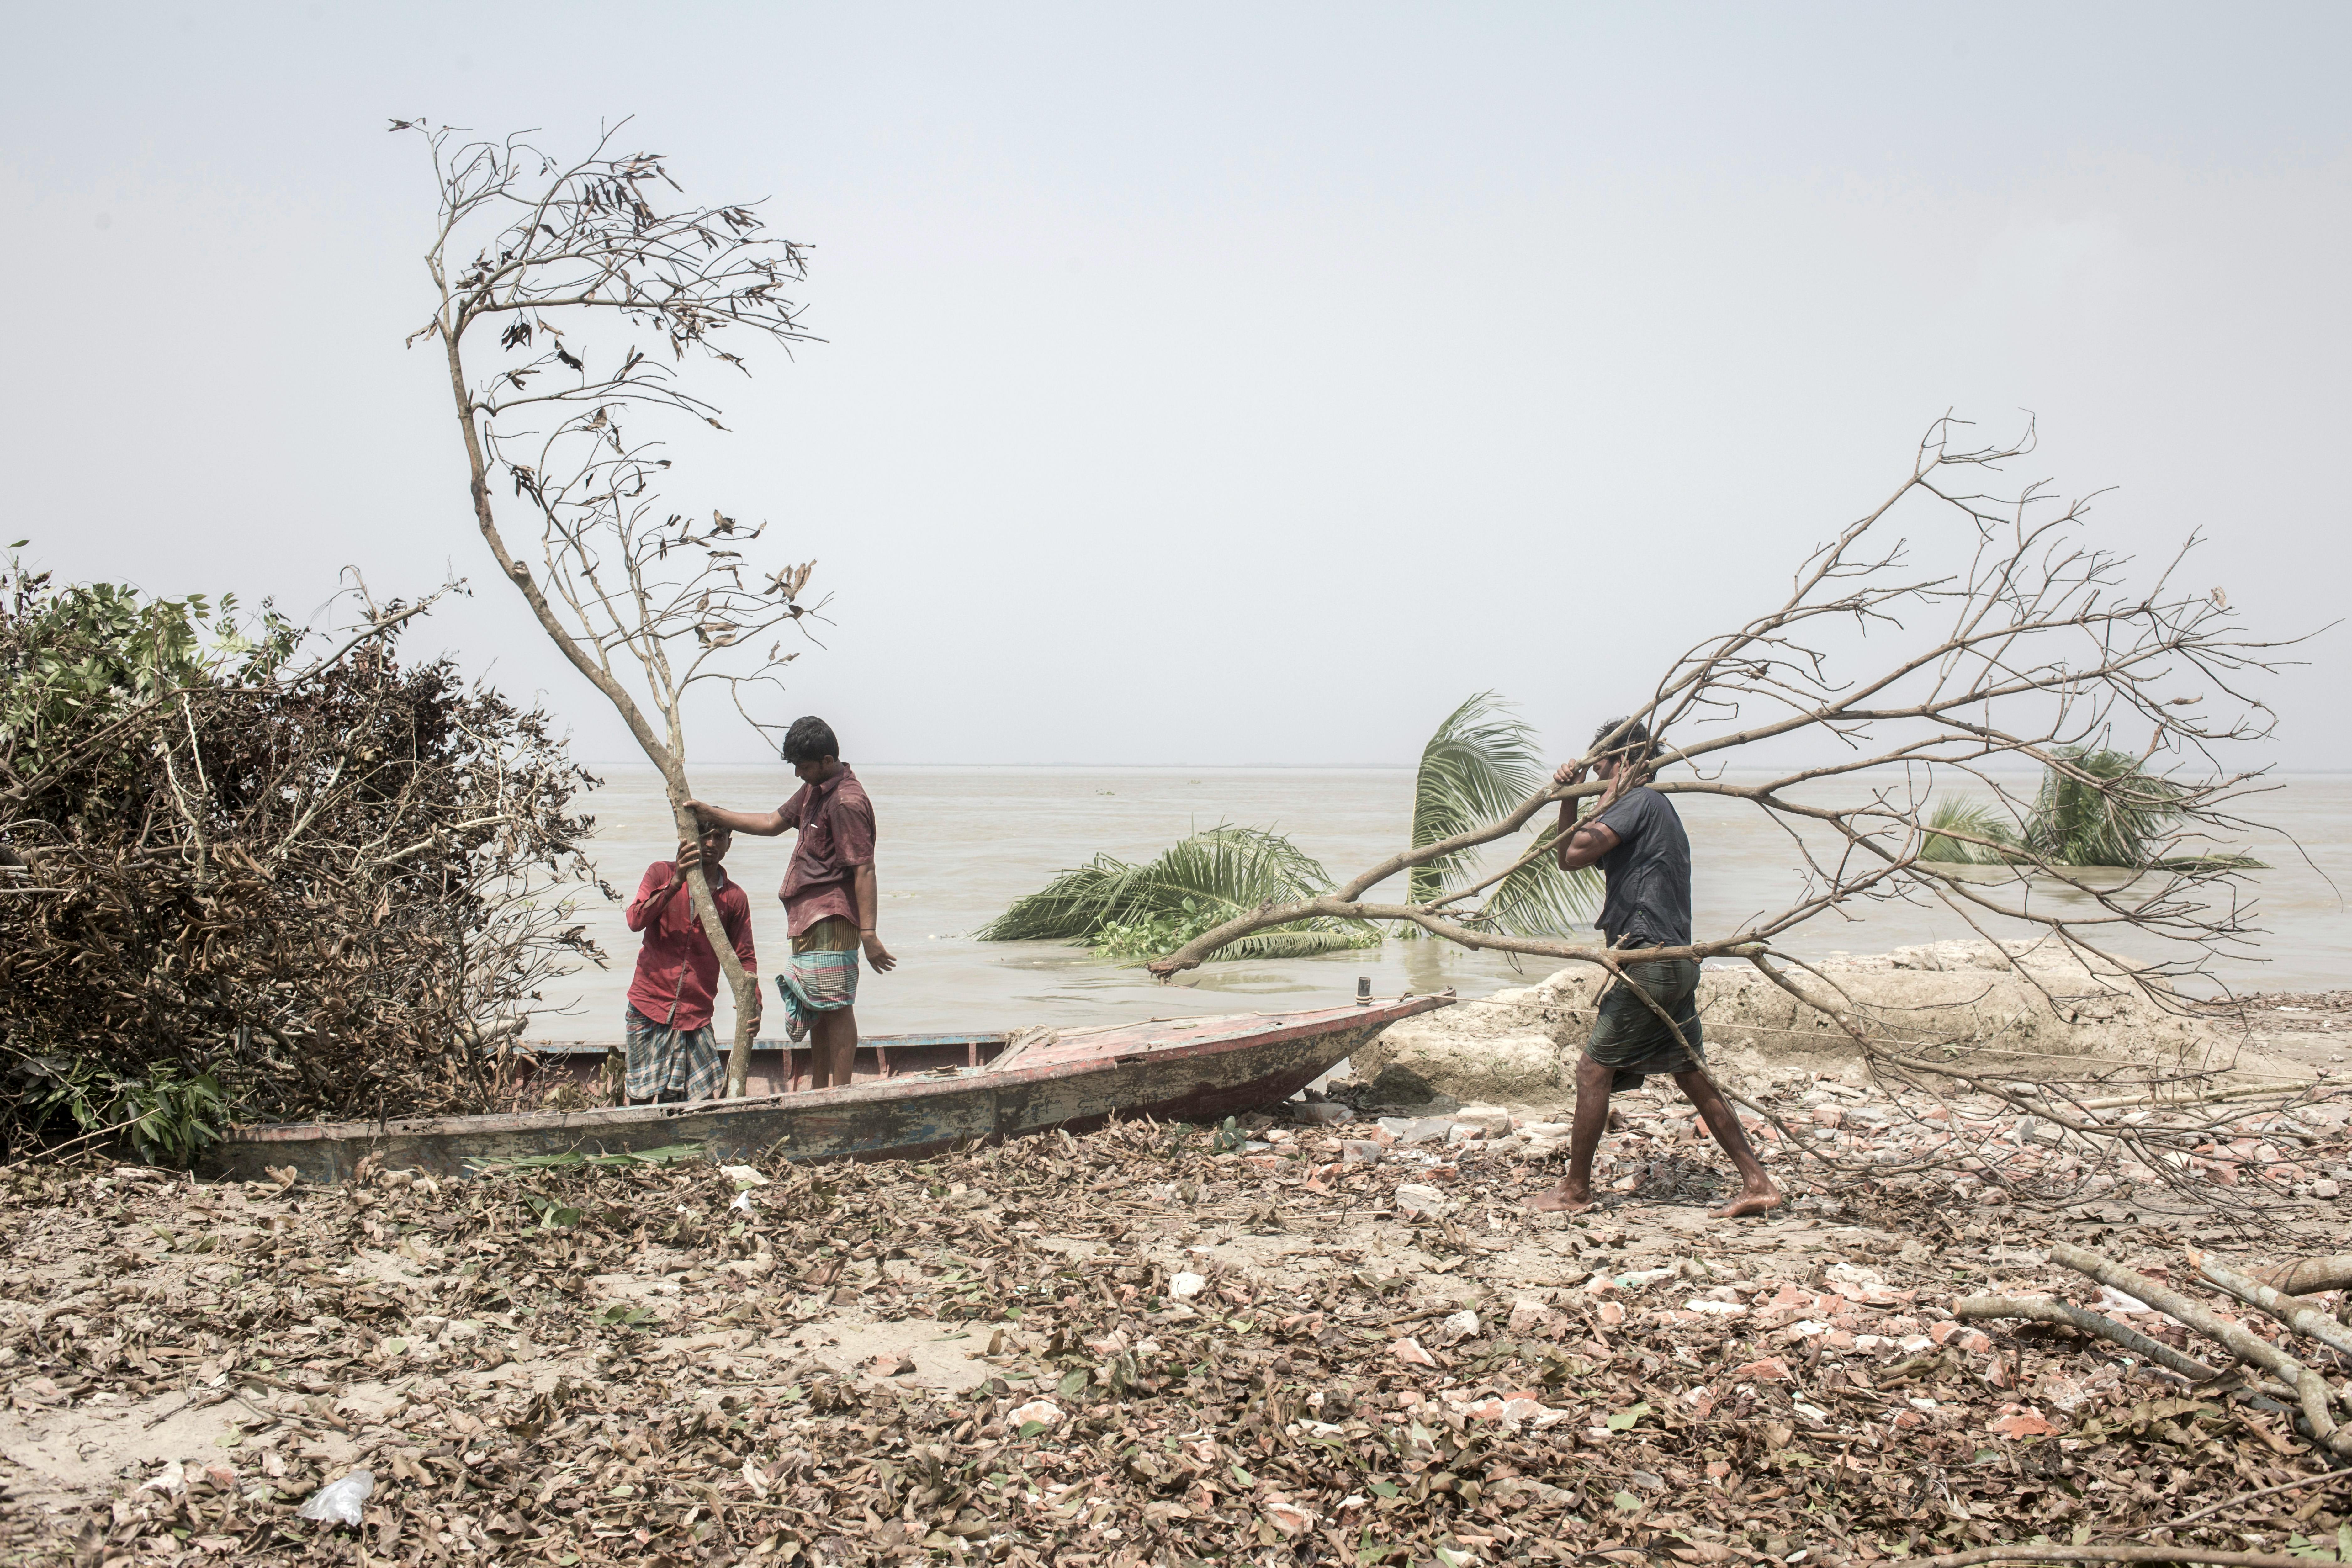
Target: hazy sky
(1224,384)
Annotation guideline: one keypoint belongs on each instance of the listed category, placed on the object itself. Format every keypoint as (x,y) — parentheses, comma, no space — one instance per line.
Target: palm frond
(1136,911)
(2100,809)
(1479,764)
(1954,824)
(1541,899)
(1069,905)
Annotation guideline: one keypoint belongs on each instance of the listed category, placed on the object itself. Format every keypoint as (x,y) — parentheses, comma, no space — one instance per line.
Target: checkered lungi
(667,1065)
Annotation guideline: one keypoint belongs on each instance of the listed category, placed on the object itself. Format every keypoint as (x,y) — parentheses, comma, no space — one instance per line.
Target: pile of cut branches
(235,881)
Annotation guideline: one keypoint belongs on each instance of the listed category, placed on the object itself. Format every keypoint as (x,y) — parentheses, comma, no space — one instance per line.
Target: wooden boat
(910,1095)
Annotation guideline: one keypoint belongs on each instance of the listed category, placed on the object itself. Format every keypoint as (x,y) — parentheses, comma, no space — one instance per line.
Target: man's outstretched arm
(758,824)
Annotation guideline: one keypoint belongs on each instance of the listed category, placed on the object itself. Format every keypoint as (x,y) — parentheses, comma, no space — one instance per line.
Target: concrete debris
(1415,1199)
(1520,1045)
(1462,1325)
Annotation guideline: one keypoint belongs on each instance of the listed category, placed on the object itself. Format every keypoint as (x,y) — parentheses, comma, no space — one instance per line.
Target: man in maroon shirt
(673,1052)
(829,893)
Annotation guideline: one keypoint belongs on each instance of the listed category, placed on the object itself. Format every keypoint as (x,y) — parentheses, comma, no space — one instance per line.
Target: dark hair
(1634,743)
(809,740)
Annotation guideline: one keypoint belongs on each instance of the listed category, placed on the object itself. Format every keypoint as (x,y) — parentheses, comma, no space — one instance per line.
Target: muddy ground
(1145,1346)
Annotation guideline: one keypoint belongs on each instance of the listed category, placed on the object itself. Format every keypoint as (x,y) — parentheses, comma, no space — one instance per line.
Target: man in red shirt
(673,1052)
(829,893)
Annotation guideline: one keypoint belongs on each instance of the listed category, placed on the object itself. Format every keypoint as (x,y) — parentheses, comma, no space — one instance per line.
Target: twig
(2248,1497)
(57,1148)
(2294,1314)
(2048,1310)
(2156,1097)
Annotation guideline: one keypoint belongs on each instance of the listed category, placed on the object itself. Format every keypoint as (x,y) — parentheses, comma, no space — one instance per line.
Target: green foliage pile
(234,883)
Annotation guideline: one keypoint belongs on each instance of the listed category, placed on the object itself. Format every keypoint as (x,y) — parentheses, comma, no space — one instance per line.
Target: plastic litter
(743,1175)
(338,1502)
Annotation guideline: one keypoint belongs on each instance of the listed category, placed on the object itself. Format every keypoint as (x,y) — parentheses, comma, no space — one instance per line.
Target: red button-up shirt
(678,974)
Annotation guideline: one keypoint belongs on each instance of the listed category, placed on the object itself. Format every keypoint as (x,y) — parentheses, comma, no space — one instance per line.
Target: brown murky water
(958,843)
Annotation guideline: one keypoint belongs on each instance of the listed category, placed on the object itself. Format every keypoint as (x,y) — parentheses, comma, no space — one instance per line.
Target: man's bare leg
(832,1047)
(1573,1192)
(1757,1192)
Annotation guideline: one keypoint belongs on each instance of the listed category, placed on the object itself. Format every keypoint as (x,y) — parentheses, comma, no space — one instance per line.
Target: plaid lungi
(820,976)
(669,1064)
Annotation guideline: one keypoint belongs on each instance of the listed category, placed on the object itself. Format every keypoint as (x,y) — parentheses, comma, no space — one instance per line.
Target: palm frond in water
(1479,764)
(1136,911)
(2097,810)
(2100,809)
(1954,824)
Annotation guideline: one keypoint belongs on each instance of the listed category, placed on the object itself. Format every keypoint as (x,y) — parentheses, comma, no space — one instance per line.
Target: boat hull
(1181,1069)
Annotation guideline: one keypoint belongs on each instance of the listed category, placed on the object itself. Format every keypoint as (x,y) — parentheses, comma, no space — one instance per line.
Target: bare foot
(1565,1197)
(1751,1201)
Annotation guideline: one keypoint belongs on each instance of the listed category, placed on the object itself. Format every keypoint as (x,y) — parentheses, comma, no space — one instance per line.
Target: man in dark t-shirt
(1648,1016)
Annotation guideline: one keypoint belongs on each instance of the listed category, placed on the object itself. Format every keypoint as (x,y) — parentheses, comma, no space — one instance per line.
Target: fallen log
(2244,1344)
(2049,1309)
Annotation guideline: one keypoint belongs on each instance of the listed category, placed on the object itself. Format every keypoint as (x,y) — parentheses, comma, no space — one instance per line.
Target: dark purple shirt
(836,823)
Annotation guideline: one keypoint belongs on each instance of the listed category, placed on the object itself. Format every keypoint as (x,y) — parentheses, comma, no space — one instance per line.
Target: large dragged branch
(1998,639)
(2247,1346)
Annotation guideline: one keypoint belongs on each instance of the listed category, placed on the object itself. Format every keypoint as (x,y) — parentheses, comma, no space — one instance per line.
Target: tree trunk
(744,987)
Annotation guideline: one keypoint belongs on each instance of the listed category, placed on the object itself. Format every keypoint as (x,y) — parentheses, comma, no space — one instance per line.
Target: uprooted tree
(243,877)
(1989,648)
(571,298)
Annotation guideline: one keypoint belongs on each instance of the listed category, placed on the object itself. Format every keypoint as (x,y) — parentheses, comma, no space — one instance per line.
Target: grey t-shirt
(1649,873)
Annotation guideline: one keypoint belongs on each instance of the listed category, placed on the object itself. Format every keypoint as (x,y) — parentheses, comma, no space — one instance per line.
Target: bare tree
(2003,640)
(599,293)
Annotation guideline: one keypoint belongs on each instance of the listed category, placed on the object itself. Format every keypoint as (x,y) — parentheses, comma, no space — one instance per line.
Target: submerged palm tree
(2100,809)
(1474,768)
(1131,912)
(2096,807)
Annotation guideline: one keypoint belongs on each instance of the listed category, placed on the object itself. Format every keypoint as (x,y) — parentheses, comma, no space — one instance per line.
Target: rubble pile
(1334,1339)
